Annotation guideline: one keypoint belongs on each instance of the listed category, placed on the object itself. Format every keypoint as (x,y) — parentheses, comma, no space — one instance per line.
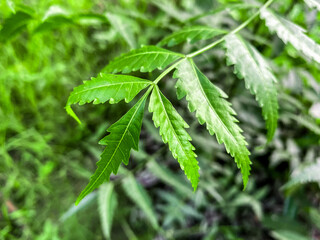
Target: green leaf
(145,59)
(54,11)
(140,197)
(169,177)
(11,5)
(107,206)
(313,4)
(314,215)
(191,34)
(306,175)
(251,66)
(172,130)
(54,18)
(291,33)
(53,22)
(14,24)
(288,235)
(306,121)
(124,135)
(170,8)
(106,87)
(211,108)
(243,200)
(73,210)
(123,26)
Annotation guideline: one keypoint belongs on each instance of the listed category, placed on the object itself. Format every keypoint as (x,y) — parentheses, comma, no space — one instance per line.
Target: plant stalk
(239,28)
(206,48)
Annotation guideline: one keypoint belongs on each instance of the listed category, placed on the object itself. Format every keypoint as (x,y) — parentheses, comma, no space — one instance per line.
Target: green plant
(47,47)
(206,99)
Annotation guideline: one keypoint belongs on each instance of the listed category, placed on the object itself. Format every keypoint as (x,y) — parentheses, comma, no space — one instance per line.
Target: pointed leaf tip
(72,114)
(172,130)
(124,135)
(212,108)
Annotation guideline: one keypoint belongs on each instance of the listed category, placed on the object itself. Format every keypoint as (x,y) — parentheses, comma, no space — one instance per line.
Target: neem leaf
(289,32)
(123,26)
(172,129)
(140,197)
(145,59)
(211,108)
(191,34)
(251,66)
(107,206)
(124,135)
(106,87)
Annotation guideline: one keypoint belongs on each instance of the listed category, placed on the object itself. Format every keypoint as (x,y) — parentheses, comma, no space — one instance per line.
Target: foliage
(49,47)
(251,66)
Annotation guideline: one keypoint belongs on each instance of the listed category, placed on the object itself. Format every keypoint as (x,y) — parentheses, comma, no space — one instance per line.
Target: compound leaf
(191,34)
(251,66)
(172,129)
(124,135)
(106,87)
(211,108)
(292,33)
(145,59)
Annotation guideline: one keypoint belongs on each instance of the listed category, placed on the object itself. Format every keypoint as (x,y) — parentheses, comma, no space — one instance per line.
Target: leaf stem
(206,48)
(239,28)
(167,71)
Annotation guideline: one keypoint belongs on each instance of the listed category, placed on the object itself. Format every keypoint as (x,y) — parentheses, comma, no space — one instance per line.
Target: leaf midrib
(184,31)
(104,169)
(218,117)
(144,53)
(266,103)
(112,84)
(258,69)
(165,110)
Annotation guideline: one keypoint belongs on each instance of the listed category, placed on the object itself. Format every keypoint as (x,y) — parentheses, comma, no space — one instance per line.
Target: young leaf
(124,135)
(139,196)
(191,34)
(211,108)
(172,131)
(313,4)
(123,26)
(107,206)
(251,66)
(145,59)
(292,33)
(106,87)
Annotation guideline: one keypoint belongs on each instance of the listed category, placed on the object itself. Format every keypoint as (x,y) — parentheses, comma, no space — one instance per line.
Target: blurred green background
(46,158)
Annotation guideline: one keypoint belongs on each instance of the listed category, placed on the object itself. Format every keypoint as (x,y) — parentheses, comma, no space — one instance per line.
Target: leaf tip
(72,114)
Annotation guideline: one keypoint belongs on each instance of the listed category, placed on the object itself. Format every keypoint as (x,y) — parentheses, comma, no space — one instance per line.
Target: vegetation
(184,62)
